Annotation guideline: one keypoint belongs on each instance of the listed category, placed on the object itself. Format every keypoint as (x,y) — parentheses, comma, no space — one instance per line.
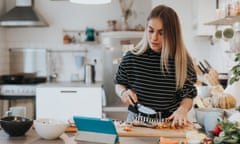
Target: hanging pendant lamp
(90,1)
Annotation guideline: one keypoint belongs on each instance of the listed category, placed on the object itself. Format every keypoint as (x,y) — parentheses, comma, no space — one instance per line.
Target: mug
(17,111)
(90,34)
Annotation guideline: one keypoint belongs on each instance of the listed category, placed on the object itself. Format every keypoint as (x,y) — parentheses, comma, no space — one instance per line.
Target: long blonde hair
(173,45)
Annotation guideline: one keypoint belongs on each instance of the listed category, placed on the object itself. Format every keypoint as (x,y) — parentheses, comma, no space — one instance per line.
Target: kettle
(89,74)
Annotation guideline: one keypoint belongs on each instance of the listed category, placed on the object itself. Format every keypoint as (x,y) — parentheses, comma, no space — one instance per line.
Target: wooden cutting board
(151,132)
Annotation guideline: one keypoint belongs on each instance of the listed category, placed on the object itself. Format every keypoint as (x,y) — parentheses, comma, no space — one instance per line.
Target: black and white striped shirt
(155,89)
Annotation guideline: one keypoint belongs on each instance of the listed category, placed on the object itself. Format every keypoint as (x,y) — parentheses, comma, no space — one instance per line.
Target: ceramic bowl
(204,91)
(16,125)
(49,128)
(200,114)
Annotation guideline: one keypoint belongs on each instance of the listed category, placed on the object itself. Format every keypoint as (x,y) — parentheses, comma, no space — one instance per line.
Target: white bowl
(49,128)
(202,112)
(204,91)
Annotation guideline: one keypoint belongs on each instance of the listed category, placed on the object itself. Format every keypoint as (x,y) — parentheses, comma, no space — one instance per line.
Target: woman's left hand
(179,117)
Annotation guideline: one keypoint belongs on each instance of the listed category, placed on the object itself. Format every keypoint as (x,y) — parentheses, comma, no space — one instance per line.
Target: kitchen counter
(70,84)
(31,137)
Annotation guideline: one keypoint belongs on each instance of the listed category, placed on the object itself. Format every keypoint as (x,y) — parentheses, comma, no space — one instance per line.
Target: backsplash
(65,62)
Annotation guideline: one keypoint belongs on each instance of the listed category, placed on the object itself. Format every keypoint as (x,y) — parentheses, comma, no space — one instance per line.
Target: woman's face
(155,34)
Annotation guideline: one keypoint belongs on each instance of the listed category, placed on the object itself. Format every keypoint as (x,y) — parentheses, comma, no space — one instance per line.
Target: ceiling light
(90,1)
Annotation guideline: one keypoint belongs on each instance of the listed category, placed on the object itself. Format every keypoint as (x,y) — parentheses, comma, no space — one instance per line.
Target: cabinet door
(64,103)
(204,11)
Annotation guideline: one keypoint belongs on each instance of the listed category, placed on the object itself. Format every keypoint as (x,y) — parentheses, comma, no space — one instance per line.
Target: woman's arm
(186,95)
(126,95)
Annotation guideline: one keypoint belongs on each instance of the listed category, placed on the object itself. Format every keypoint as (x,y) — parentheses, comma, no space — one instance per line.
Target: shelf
(79,37)
(229,20)
(68,51)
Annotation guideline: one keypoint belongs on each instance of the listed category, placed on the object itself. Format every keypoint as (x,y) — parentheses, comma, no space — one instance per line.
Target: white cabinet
(204,11)
(61,102)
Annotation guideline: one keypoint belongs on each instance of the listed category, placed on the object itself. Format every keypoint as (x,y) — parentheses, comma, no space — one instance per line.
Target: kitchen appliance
(16,88)
(22,15)
(19,85)
(115,44)
(89,74)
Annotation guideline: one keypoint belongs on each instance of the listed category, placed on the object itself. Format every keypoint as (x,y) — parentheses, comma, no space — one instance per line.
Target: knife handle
(205,69)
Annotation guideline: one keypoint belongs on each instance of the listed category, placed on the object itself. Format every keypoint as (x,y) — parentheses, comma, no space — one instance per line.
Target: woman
(159,72)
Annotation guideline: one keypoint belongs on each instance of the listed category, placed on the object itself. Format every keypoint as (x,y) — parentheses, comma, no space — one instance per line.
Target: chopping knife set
(210,75)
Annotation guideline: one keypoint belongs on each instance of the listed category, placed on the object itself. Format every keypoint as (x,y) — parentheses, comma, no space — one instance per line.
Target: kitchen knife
(205,69)
(143,109)
(201,69)
(207,63)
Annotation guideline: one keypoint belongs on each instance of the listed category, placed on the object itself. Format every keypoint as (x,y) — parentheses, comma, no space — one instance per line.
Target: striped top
(155,89)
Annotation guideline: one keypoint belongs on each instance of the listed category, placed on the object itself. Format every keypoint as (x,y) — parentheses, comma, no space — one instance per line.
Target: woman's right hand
(129,97)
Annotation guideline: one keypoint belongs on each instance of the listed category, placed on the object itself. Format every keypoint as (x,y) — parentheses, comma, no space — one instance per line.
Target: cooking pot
(89,74)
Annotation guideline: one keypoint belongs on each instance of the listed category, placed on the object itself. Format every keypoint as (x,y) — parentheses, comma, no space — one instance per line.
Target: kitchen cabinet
(63,101)
(203,12)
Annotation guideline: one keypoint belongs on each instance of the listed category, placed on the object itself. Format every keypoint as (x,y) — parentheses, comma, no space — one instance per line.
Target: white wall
(63,15)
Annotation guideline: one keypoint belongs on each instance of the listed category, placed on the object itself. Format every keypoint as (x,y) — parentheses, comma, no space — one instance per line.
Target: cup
(17,111)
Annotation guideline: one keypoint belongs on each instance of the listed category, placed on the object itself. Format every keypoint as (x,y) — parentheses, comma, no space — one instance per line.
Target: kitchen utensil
(204,91)
(89,75)
(143,109)
(202,112)
(204,68)
(49,128)
(207,63)
(155,132)
(210,120)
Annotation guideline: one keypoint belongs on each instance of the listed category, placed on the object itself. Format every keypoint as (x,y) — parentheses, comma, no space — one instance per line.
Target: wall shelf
(229,20)
(79,37)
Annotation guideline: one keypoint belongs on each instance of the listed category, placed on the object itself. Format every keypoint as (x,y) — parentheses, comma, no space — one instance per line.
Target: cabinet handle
(68,91)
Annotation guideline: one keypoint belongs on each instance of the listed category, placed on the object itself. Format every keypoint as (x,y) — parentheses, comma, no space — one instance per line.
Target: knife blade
(143,109)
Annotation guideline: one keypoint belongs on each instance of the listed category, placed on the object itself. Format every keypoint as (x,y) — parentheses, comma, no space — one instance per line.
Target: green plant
(230,133)
(236,70)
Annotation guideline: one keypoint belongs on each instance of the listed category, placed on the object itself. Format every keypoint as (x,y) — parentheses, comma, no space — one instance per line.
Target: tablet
(95,130)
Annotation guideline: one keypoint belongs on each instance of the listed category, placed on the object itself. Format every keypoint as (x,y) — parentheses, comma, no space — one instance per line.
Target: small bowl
(16,125)
(201,112)
(204,91)
(49,128)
